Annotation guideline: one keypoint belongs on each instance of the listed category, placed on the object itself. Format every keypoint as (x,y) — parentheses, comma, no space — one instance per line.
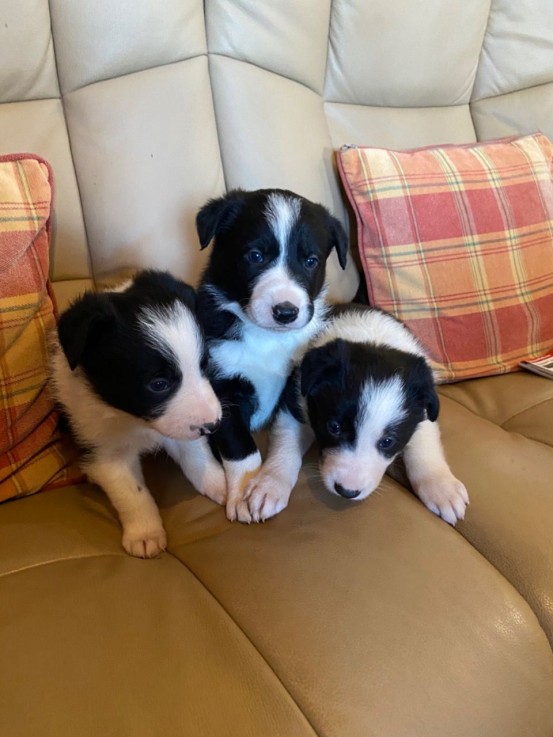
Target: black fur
(101,334)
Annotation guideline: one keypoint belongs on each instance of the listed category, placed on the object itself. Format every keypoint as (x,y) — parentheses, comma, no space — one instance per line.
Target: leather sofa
(333,619)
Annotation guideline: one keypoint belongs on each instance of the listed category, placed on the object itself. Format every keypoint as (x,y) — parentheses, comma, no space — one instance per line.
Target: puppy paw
(214,486)
(144,543)
(237,510)
(266,496)
(444,495)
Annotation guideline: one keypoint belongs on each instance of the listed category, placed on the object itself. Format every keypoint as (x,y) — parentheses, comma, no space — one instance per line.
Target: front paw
(444,495)
(266,496)
(144,543)
(214,485)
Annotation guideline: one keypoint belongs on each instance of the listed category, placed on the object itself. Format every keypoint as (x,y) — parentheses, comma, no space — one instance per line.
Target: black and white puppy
(365,392)
(262,299)
(130,377)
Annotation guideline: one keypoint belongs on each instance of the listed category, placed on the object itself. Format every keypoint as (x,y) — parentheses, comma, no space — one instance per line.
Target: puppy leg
(200,466)
(241,460)
(238,473)
(431,476)
(122,480)
(268,492)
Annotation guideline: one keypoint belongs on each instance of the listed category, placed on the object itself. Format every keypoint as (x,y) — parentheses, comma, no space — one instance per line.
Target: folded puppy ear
(83,322)
(339,240)
(216,215)
(324,365)
(425,390)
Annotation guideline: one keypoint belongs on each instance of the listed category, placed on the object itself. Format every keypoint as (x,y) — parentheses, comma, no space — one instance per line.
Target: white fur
(268,492)
(374,327)
(119,439)
(237,475)
(282,214)
(276,285)
(264,357)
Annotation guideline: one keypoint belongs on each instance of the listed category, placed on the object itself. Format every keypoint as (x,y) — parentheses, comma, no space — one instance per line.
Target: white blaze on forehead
(282,214)
(174,332)
(361,468)
(381,405)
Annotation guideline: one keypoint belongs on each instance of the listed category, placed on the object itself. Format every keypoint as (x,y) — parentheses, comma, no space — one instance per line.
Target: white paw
(444,495)
(266,496)
(213,485)
(145,543)
(237,509)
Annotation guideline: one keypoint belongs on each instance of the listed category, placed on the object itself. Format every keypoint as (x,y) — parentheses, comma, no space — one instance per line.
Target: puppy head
(142,351)
(364,403)
(269,253)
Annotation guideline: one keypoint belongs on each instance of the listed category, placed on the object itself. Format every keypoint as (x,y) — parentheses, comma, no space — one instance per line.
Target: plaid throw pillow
(457,241)
(32,452)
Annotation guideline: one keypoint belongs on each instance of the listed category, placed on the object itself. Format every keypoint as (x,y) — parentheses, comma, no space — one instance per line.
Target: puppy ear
(433,405)
(324,365)
(216,215)
(426,390)
(339,240)
(83,321)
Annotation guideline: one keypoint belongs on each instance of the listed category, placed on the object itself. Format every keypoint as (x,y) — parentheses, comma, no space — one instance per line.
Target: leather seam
(246,636)
(220,606)
(502,424)
(58,560)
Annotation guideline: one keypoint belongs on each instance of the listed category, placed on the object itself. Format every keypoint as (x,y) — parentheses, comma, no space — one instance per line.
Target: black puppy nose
(346,493)
(209,428)
(285,312)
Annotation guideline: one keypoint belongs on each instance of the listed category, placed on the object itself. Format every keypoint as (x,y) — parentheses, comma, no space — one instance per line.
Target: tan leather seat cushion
(330,615)
(499,437)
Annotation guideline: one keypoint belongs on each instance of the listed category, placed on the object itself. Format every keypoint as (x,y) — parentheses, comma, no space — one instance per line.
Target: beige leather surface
(100,40)
(398,60)
(498,435)
(333,619)
(27,63)
(97,643)
(524,111)
(38,126)
(377,617)
(385,126)
(142,178)
(517,49)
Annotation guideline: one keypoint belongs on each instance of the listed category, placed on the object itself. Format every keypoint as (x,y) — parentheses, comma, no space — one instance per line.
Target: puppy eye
(311,262)
(334,428)
(255,256)
(386,442)
(159,385)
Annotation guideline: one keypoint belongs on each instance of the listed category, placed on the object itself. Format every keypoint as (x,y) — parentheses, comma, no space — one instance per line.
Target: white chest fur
(265,358)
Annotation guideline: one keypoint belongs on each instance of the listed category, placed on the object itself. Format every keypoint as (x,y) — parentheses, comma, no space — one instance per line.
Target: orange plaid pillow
(32,452)
(457,241)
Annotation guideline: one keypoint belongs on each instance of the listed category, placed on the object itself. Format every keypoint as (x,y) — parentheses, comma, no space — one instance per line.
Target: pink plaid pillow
(457,241)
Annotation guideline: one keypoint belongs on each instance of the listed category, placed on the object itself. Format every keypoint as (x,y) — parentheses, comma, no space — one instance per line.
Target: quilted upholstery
(246,94)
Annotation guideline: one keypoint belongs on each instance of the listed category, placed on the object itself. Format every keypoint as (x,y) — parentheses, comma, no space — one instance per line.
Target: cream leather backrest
(147,108)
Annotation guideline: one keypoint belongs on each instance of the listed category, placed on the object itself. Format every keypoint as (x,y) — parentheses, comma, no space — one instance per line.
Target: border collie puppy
(262,299)
(130,377)
(365,391)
